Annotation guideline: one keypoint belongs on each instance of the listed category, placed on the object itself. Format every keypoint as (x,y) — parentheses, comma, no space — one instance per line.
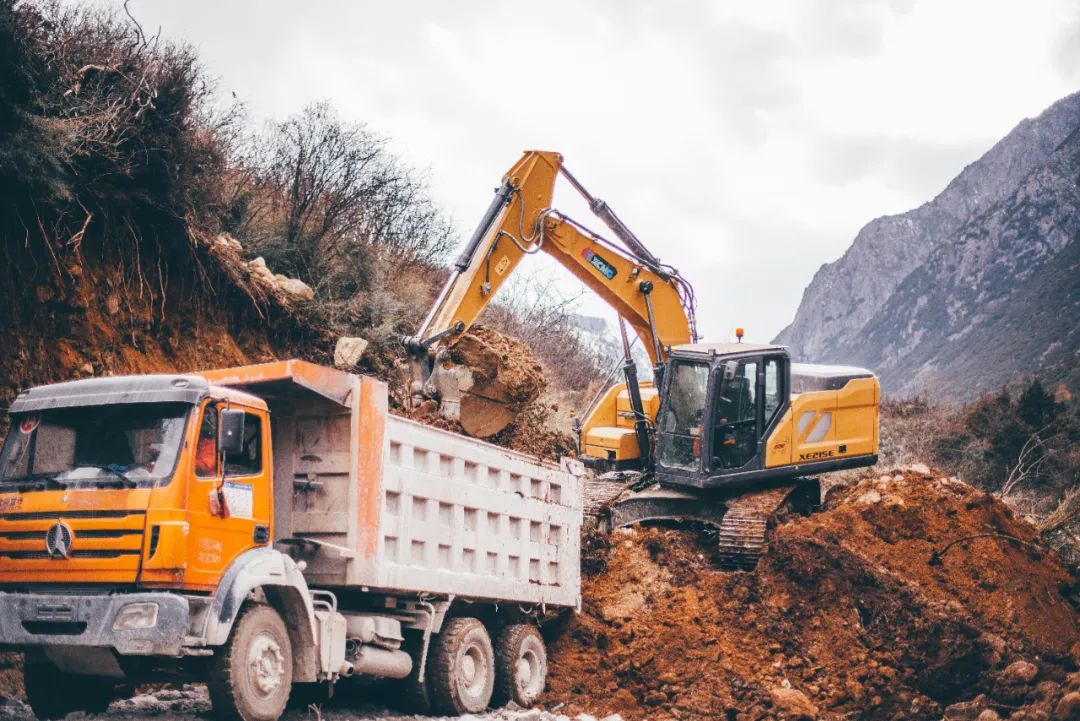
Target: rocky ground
(192,703)
(911,596)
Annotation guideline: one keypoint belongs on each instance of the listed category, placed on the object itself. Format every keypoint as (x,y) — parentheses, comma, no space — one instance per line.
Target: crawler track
(743,528)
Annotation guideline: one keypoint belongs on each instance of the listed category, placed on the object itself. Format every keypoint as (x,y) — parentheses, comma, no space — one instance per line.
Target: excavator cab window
(734,427)
(684,415)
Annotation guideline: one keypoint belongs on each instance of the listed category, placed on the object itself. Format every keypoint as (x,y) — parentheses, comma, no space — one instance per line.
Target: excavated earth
(505,403)
(858,612)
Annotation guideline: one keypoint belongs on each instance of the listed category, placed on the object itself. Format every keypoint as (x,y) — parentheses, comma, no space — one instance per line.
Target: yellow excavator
(726,434)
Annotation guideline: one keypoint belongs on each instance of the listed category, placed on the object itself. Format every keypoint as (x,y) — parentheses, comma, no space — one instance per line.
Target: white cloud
(746,143)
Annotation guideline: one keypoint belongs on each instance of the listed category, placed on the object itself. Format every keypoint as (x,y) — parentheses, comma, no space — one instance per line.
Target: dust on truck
(272,529)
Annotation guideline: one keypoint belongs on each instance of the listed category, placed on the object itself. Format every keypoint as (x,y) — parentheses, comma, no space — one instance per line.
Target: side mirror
(730,369)
(231,432)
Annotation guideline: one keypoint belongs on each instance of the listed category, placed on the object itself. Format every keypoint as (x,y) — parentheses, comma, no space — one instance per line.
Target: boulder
(869,498)
(1068,708)
(792,704)
(1020,672)
(348,351)
(295,288)
(966,710)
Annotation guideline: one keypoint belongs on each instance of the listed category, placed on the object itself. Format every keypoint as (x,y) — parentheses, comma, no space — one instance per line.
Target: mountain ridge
(862,307)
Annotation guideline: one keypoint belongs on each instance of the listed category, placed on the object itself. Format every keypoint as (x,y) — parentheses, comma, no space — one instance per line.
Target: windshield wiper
(26,483)
(114,469)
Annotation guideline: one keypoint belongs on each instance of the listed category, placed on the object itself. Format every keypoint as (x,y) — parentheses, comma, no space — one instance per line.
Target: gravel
(192,703)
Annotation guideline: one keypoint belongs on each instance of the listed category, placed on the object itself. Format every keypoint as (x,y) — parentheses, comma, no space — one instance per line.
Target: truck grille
(102,540)
(65,515)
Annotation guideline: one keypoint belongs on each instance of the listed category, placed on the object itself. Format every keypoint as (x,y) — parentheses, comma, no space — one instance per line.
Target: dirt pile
(503,405)
(506,378)
(529,432)
(846,617)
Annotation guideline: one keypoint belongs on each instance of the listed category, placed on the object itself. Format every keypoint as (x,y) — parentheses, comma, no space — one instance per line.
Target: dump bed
(376,501)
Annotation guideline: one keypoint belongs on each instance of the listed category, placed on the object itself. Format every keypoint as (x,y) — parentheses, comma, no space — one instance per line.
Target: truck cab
(115,478)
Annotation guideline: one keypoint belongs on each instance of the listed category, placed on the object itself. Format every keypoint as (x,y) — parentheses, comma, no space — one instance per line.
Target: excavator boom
(729,434)
(652,298)
(521,221)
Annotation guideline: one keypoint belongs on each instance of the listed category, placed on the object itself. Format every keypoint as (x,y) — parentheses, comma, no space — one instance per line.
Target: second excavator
(726,434)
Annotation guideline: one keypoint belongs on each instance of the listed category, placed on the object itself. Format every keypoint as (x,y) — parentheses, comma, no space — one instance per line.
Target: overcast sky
(745,143)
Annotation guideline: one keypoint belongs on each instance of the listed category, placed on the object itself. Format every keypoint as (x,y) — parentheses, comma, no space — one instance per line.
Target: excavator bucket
(484,380)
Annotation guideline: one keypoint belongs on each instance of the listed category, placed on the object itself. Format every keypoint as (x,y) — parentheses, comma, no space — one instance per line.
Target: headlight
(136,615)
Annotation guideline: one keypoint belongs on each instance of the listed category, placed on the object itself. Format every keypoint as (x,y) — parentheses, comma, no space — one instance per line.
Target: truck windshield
(123,444)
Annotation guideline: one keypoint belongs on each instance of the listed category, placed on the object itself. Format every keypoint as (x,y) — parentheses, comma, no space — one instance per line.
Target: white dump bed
(375,501)
(465,517)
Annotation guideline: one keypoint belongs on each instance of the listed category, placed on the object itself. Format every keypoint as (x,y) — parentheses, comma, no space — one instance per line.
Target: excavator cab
(721,401)
(736,413)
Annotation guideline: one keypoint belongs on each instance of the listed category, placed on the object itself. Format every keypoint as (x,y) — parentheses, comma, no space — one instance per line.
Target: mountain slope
(998,300)
(845,295)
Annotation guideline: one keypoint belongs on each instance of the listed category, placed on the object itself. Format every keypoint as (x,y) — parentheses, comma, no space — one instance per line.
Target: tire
(461,668)
(251,675)
(520,665)
(53,694)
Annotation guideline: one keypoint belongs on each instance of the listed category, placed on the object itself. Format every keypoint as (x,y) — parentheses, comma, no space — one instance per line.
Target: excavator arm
(651,297)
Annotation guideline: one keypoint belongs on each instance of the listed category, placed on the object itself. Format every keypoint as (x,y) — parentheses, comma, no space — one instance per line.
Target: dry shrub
(111,159)
(325,201)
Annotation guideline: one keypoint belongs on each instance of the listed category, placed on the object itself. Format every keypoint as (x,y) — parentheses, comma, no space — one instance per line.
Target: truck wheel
(53,694)
(520,665)
(251,676)
(461,668)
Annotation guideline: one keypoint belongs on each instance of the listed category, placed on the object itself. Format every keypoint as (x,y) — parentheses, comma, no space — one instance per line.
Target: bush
(1023,447)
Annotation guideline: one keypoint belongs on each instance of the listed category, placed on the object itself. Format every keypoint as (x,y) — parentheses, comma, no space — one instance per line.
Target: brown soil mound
(500,361)
(530,432)
(506,379)
(845,616)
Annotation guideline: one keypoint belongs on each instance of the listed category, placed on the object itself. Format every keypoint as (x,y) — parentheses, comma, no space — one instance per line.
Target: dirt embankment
(845,618)
(98,318)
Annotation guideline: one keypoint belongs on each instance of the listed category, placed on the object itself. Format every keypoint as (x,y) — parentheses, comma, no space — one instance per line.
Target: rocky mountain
(971,290)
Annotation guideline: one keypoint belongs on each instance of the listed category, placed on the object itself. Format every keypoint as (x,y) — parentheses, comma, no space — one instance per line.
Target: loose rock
(348,352)
(793,704)
(1020,672)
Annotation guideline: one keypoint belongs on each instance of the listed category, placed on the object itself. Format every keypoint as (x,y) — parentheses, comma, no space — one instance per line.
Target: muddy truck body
(272,529)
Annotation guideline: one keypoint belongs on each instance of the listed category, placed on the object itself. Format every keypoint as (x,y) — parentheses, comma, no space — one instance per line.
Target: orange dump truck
(271,529)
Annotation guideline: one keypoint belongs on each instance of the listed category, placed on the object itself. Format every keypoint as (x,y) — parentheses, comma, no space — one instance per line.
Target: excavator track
(742,530)
(741,519)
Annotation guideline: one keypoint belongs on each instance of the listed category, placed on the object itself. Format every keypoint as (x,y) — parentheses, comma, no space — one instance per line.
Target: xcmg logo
(606,269)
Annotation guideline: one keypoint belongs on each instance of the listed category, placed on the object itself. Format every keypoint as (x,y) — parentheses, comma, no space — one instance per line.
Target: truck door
(245,479)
